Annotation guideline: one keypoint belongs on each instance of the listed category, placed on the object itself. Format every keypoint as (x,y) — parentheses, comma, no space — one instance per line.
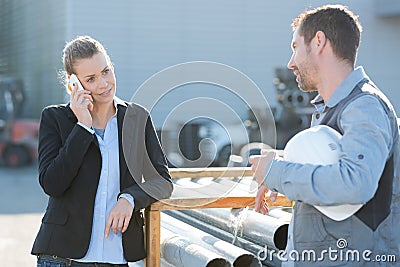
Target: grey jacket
(371,235)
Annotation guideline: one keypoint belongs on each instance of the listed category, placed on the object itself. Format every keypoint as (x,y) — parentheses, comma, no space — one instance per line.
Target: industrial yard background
(145,37)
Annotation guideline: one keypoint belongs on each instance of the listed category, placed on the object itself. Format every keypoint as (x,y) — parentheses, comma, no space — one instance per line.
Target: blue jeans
(54,261)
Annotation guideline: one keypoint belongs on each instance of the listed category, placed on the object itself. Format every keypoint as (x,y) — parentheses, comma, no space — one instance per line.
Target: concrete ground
(22,203)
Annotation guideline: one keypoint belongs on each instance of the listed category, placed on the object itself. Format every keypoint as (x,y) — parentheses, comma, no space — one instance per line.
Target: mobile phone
(73,80)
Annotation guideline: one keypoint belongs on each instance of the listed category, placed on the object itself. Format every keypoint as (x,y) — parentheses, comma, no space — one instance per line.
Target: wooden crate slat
(208,203)
(215,172)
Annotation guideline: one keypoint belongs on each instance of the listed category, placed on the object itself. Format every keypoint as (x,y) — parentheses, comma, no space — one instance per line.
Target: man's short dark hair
(340,26)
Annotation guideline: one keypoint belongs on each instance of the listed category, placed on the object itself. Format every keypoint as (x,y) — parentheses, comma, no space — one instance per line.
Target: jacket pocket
(310,229)
(55,216)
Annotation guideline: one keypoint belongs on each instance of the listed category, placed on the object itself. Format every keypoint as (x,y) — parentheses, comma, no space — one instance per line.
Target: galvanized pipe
(261,229)
(267,260)
(237,256)
(185,187)
(181,252)
(281,213)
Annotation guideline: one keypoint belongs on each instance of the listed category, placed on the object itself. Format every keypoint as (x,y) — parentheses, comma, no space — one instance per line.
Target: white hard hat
(319,145)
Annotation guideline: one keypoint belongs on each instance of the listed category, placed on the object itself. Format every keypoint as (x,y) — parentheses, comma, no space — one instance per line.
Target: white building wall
(252,36)
(144,37)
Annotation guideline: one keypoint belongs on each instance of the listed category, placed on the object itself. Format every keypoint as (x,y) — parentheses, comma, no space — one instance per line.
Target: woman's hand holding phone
(81,101)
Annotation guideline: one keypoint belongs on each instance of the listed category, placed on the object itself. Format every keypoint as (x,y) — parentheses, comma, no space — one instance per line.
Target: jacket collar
(121,107)
(342,91)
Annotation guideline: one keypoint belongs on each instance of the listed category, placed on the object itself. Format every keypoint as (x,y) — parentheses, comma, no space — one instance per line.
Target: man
(325,43)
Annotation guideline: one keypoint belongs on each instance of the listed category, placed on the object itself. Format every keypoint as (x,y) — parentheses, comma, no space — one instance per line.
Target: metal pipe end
(280,236)
(220,262)
(247,260)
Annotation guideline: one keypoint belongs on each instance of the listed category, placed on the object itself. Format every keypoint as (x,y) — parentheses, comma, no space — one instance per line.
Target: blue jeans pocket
(50,263)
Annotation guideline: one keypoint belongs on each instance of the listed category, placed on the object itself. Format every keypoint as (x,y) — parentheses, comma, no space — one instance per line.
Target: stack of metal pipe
(184,245)
(262,235)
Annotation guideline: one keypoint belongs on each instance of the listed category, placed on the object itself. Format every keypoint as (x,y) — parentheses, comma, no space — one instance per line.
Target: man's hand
(261,203)
(119,217)
(261,163)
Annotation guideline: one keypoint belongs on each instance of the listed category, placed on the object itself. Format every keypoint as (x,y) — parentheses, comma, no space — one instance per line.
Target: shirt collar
(344,89)
(119,101)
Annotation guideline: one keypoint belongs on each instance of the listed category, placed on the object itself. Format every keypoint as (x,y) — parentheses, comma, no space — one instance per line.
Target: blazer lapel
(124,113)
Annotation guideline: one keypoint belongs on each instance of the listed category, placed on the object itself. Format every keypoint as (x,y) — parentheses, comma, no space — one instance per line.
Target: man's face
(302,63)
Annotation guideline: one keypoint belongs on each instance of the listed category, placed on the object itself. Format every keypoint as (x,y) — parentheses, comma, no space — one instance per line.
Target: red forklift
(18,136)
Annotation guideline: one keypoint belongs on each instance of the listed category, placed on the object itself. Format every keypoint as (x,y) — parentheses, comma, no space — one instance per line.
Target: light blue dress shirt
(367,131)
(109,249)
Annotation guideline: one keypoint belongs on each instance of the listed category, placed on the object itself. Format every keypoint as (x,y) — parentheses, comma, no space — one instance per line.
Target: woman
(101,163)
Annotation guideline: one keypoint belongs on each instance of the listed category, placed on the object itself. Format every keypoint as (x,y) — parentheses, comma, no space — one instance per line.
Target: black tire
(15,156)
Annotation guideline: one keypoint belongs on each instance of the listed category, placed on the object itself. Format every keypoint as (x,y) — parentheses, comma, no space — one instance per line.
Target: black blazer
(69,172)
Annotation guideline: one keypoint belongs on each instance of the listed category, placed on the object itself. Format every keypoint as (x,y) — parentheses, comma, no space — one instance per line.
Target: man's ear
(319,41)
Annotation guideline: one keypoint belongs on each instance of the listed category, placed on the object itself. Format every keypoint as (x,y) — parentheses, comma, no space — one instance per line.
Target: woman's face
(96,75)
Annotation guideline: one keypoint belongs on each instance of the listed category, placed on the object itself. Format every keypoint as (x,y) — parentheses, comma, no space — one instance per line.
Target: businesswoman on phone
(101,164)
